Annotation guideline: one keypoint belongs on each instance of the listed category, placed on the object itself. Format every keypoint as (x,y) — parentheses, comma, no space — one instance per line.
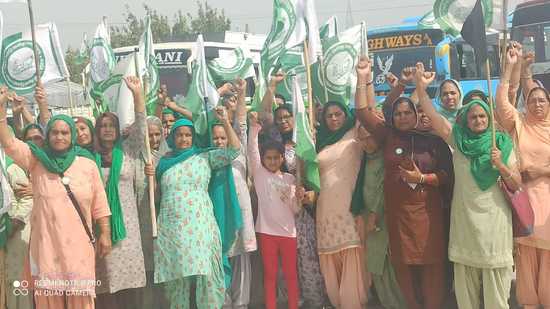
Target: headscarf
(54,161)
(477,146)
(115,158)
(169,111)
(30,126)
(325,138)
(448,114)
(90,125)
(468,97)
(541,128)
(163,147)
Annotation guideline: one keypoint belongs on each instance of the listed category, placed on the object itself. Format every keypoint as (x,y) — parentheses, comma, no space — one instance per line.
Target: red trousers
(271,247)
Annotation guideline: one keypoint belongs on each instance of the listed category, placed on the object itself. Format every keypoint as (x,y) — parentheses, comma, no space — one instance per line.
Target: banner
(451,14)
(232,64)
(102,57)
(18,65)
(148,68)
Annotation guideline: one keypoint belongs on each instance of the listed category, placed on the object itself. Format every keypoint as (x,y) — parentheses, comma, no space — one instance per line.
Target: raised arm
(398,85)
(516,74)
(135,142)
(179,109)
(162,96)
(241,101)
(266,110)
(232,138)
(506,112)
(365,103)
(254,159)
(441,126)
(527,82)
(42,100)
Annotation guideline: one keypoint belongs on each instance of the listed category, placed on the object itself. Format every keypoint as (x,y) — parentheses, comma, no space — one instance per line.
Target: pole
(34,47)
(149,159)
(491,109)
(70,93)
(309,89)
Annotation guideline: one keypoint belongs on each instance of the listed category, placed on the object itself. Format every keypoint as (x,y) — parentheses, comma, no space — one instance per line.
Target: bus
(531,27)
(393,48)
(172,57)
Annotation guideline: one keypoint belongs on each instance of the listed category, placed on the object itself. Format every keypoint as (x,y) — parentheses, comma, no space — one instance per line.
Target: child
(278,200)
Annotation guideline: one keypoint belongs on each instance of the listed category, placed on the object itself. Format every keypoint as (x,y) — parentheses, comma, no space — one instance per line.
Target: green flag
(102,57)
(17,63)
(334,79)
(303,138)
(451,14)
(292,63)
(148,69)
(202,87)
(231,65)
(329,29)
(83,52)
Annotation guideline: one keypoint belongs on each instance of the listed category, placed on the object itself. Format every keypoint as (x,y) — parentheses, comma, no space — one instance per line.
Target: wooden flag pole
(309,88)
(491,109)
(149,158)
(34,45)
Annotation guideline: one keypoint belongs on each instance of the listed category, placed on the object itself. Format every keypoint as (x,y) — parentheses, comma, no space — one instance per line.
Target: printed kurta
(59,246)
(124,267)
(188,242)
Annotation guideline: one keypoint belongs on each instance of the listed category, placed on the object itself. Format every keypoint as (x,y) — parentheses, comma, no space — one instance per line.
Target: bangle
(402,84)
(526,76)
(3,119)
(507,177)
(363,86)
(422,178)
(369,83)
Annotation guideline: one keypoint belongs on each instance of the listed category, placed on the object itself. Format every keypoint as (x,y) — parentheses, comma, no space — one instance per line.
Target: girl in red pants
(278,200)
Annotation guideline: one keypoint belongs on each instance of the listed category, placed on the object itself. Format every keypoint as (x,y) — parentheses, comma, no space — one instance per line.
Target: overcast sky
(74,17)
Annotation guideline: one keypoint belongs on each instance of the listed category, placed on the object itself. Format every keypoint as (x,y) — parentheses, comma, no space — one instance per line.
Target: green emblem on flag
(102,60)
(339,62)
(18,66)
(451,14)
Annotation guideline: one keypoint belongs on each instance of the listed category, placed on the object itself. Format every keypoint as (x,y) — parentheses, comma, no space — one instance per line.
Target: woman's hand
(104,245)
(363,69)
(276,79)
(221,114)
(40,95)
(407,76)
(5,96)
(423,78)
(496,158)
(23,190)
(300,194)
(240,85)
(410,176)
(253,118)
(512,56)
(149,170)
(371,223)
(134,84)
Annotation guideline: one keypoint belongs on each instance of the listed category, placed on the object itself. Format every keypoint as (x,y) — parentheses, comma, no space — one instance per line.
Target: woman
(151,296)
(85,132)
(341,255)
(312,287)
(531,132)
(60,238)
(238,295)
(187,228)
(18,242)
(449,99)
(123,271)
(417,172)
(480,244)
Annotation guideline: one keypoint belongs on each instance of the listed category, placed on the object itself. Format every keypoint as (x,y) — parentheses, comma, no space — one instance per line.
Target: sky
(74,17)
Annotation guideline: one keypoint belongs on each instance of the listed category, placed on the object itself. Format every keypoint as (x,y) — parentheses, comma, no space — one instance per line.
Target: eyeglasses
(285,118)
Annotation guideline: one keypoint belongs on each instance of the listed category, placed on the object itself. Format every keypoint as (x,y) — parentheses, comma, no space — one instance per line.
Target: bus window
(547,42)
(469,67)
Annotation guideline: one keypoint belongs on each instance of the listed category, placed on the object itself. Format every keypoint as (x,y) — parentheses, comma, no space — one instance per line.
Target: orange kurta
(61,257)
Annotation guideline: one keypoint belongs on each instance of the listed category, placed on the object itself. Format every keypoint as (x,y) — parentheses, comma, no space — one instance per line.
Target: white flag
(18,65)
(13,1)
(102,57)
(305,27)
(148,66)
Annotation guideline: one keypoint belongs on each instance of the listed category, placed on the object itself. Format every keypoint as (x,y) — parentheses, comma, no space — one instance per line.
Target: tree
(207,19)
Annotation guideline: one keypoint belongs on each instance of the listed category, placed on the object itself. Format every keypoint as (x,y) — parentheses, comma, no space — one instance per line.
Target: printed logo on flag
(101,63)
(340,61)
(19,67)
(233,63)
(283,28)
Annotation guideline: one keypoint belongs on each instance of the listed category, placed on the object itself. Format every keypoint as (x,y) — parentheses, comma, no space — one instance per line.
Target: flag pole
(70,93)
(309,89)
(150,179)
(491,108)
(34,47)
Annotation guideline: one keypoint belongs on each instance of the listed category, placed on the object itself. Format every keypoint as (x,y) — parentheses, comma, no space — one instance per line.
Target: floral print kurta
(188,242)
(124,267)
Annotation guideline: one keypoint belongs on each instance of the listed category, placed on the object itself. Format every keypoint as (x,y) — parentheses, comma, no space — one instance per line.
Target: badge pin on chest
(399,151)
(66,180)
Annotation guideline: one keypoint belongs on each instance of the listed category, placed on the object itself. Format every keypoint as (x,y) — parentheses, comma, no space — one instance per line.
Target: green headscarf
(325,138)
(450,115)
(169,111)
(118,230)
(90,126)
(29,127)
(477,147)
(58,162)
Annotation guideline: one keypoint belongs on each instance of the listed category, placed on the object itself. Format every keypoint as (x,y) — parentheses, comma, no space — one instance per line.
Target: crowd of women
(410,206)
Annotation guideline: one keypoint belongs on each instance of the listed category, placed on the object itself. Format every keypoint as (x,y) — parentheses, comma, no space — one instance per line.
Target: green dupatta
(477,147)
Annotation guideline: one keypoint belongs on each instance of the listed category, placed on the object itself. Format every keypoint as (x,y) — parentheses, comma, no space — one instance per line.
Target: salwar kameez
(188,246)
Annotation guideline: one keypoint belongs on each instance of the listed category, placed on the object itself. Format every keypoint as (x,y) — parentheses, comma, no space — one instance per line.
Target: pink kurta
(534,150)
(59,246)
